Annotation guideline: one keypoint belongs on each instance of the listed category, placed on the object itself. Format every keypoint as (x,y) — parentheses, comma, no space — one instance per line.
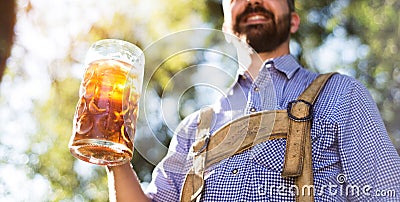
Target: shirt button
(253,109)
(256,89)
(235,171)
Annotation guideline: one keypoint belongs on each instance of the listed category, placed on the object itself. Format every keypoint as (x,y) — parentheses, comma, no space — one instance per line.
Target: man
(352,155)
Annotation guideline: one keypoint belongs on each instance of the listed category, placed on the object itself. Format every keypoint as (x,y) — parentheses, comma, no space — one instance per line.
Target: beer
(104,125)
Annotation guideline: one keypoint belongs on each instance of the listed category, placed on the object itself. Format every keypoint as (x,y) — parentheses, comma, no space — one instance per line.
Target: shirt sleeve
(169,174)
(370,163)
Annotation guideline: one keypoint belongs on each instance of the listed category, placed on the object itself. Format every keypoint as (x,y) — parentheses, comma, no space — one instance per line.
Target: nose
(255,2)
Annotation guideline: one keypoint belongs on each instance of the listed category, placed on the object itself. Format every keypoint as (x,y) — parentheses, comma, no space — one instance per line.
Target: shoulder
(345,88)
(341,81)
(184,134)
(339,93)
(189,123)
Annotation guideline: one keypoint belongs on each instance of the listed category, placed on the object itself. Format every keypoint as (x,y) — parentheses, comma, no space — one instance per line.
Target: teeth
(256,17)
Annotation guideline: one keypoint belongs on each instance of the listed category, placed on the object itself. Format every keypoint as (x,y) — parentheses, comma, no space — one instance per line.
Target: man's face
(264,24)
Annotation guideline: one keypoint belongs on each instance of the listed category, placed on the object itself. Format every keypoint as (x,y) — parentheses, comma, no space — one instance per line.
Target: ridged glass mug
(104,123)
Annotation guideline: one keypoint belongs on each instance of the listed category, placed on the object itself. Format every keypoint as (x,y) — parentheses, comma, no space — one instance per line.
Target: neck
(257,59)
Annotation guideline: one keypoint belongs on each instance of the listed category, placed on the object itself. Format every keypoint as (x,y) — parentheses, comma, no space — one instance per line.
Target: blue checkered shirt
(353,157)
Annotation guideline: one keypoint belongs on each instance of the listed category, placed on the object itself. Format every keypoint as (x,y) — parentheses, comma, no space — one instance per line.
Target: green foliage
(376,23)
(373,24)
(57,164)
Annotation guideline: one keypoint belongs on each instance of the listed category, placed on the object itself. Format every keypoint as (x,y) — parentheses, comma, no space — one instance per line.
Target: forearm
(124,185)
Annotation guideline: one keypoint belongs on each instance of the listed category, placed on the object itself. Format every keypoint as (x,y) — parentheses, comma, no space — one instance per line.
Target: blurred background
(42,48)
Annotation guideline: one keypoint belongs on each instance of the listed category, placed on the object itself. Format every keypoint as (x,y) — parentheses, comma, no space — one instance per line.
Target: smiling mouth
(256,19)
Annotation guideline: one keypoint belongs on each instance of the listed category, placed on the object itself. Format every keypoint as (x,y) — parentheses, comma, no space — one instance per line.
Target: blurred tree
(7,21)
(57,164)
(69,178)
(375,64)
(376,25)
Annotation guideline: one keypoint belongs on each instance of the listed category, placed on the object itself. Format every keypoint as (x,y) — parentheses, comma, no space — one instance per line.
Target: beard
(264,37)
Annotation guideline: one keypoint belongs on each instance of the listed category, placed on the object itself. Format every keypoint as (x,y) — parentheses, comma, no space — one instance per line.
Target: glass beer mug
(105,118)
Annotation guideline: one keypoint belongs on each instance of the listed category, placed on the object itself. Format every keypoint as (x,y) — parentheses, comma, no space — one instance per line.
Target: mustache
(255,9)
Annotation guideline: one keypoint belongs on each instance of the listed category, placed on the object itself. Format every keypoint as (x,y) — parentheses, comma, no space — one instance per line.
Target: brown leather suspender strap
(230,139)
(247,131)
(242,134)
(298,155)
(194,181)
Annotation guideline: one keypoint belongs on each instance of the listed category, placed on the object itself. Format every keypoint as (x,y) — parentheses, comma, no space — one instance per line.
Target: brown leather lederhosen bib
(241,134)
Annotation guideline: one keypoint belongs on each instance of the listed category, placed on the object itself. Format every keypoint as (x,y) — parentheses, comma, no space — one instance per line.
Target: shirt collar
(286,64)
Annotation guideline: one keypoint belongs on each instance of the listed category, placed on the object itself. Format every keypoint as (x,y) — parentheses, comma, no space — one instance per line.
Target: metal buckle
(205,145)
(300,119)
